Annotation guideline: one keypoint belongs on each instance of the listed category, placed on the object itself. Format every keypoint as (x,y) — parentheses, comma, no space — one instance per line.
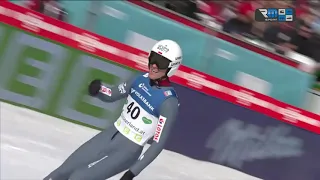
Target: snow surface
(34,144)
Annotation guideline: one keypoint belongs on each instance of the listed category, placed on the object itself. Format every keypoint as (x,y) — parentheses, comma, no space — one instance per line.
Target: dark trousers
(105,155)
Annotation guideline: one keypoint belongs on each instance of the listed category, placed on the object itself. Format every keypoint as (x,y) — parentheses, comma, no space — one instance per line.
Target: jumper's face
(155,72)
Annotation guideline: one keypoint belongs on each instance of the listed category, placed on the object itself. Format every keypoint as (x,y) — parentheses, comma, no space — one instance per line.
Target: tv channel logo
(274,15)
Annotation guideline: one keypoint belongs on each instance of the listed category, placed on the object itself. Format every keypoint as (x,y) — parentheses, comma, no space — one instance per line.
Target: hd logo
(274,14)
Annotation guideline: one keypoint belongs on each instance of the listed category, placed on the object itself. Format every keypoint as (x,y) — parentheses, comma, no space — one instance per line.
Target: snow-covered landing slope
(33,144)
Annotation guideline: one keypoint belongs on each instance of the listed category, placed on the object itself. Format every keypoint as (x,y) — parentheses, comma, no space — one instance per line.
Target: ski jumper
(149,113)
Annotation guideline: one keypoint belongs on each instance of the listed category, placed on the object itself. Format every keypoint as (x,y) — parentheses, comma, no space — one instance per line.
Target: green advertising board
(53,78)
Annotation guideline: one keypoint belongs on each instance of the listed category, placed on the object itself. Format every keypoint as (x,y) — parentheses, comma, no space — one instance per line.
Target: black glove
(128,176)
(94,87)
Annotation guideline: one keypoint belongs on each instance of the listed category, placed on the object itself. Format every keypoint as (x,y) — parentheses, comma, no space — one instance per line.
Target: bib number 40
(134,111)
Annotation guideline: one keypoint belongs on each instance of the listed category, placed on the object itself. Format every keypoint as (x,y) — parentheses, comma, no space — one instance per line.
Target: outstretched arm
(168,114)
(110,94)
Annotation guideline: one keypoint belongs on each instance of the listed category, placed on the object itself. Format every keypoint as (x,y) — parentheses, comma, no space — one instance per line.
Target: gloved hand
(128,176)
(94,87)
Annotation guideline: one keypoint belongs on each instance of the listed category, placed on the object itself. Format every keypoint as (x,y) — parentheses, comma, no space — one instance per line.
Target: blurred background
(297,41)
(236,17)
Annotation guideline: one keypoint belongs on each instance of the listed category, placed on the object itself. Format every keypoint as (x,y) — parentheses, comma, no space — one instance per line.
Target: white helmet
(166,54)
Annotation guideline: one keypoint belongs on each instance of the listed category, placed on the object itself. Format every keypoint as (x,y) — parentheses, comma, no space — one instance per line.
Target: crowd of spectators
(237,17)
(52,8)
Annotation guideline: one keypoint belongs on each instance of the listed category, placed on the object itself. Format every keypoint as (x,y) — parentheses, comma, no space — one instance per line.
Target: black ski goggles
(160,61)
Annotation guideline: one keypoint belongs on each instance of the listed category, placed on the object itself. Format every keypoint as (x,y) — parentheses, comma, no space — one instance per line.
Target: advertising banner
(214,130)
(53,78)
(46,65)
(120,20)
